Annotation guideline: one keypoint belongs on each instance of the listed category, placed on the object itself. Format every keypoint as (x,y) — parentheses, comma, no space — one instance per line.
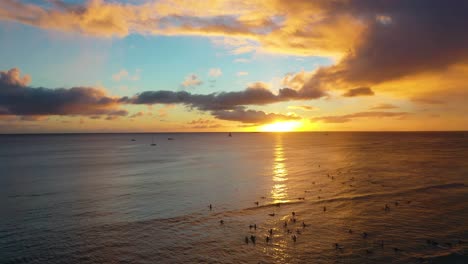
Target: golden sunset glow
(237,66)
(281,126)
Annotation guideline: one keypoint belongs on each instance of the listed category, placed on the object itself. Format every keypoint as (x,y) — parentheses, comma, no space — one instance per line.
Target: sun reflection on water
(279,191)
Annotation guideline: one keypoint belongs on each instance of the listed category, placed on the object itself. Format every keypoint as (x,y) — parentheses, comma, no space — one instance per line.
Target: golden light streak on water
(279,191)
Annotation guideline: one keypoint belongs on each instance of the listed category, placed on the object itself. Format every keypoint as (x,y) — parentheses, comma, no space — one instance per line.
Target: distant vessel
(170,138)
(152,142)
(133,139)
(230,135)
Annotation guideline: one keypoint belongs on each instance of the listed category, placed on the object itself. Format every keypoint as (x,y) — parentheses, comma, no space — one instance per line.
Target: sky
(224,65)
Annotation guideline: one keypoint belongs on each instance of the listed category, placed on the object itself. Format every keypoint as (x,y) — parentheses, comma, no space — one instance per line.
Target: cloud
(163,111)
(407,39)
(383,107)
(350,117)
(241,60)
(215,72)
(295,81)
(360,91)
(228,105)
(427,100)
(13,77)
(303,107)
(124,75)
(256,94)
(240,114)
(191,80)
(305,27)
(16,98)
(137,114)
(242,73)
(203,123)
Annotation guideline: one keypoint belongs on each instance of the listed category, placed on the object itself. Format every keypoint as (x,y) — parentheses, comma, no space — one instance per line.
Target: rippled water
(107,199)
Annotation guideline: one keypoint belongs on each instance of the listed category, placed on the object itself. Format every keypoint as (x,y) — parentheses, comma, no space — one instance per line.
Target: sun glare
(286,126)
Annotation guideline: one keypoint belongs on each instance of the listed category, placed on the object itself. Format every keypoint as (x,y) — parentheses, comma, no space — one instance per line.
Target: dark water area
(103,198)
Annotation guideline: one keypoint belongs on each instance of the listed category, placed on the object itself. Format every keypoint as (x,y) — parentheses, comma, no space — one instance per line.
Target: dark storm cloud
(360,91)
(402,38)
(16,98)
(415,36)
(350,117)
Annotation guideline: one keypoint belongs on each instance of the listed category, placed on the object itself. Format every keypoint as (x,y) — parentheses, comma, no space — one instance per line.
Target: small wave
(418,189)
(269,205)
(447,257)
(32,195)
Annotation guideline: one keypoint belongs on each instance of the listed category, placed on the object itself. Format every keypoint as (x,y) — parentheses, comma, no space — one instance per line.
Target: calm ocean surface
(103,198)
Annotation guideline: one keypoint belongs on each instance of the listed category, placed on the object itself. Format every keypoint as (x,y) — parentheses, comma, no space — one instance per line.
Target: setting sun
(281,126)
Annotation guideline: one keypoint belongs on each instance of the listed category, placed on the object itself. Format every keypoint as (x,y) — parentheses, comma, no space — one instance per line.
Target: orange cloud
(350,117)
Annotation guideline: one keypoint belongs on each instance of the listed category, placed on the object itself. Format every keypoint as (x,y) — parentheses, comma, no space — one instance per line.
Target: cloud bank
(16,98)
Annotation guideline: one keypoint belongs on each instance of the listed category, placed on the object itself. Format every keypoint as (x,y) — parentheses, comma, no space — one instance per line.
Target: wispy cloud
(304,107)
(124,75)
(204,123)
(191,80)
(215,72)
(241,60)
(350,117)
(383,107)
(360,91)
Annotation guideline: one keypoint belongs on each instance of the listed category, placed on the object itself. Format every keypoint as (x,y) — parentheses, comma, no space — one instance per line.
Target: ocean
(354,197)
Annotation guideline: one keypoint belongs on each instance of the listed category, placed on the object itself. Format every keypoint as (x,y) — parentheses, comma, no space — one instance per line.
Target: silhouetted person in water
(267,239)
(211,207)
(256,203)
(387,207)
(221,222)
(246,240)
(250,227)
(255,226)
(253,238)
(294,238)
(285,224)
(350,231)
(303,224)
(324,208)
(337,246)
(396,203)
(293,214)
(270,231)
